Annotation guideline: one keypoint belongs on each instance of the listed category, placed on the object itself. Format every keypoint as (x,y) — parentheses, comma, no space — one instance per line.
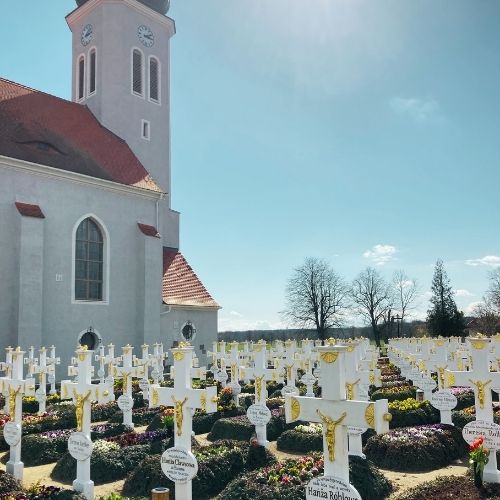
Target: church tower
(121,69)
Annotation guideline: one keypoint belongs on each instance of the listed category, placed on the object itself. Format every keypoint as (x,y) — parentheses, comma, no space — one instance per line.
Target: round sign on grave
(100,372)
(221,376)
(236,388)
(80,446)
(144,385)
(155,373)
(489,430)
(259,414)
(12,433)
(443,400)
(330,487)
(289,389)
(40,396)
(179,465)
(308,379)
(109,381)
(51,379)
(427,384)
(125,403)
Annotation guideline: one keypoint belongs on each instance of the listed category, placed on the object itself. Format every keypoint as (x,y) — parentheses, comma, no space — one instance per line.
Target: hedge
(420,448)
(410,412)
(394,393)
(463,417)
(301,442)
(369,482)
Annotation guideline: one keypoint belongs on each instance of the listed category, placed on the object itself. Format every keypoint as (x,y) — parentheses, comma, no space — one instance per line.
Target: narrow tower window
(81,78)
(137,72)
(92,71)
(145,129)
(154,79)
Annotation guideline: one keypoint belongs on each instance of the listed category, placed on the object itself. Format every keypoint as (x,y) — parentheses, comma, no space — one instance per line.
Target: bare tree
(493,293)
(316,297)
(373,298)
(487,317)
(405,293)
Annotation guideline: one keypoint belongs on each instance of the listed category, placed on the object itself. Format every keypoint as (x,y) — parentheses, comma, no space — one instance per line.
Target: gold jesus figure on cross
(179,413)
(481,386)
(12,401)
(258,385)
(331,427)
(79,402)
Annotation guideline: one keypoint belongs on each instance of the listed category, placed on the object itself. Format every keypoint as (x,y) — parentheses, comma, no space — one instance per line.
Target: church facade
(89,243)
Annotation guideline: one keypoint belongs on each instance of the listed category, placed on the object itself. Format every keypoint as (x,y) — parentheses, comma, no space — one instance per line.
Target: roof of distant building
(44,129)
(181,286)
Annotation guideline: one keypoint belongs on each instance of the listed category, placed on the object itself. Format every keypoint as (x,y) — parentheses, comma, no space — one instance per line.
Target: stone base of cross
(336,413)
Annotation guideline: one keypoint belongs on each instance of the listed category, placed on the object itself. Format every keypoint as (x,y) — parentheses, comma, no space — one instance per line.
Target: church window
(154,79)
(89,262)
(89,339)
(137,72)
(188,331)
(145,129)
(81,78)
(92,71)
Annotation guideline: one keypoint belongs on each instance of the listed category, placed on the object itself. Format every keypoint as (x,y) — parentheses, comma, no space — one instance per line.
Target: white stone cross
(184,399)
(157,359)
(308,360)
(290,364)
(41,369)
(52,362)
(6,366)
(127,371)
(258,413)
(83,393)
(336,413)
(31,361)
(14,388)
(482,381)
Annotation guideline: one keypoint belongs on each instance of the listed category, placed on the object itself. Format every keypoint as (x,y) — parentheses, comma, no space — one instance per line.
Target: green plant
(409,412)
(9,483)
(301,442)
(394,393)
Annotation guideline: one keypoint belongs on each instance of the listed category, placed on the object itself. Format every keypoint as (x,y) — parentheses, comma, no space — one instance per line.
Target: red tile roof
(148,230)
(41,128)
(29,210)
(181,286)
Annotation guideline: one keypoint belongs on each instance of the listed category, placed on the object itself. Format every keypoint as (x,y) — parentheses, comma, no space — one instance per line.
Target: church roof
(44,129)
(181,286)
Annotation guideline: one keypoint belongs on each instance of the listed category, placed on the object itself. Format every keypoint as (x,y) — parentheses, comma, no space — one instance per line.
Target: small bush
(416,448)
(301,442)
(410,412)
(394,393)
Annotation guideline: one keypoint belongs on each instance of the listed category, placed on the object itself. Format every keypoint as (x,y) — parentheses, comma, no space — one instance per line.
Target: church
(89,242)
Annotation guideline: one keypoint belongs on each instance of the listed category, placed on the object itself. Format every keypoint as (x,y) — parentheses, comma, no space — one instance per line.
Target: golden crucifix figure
(289,374)
(233,372)
(481,386)
(179,413)
(441,375)
(79,411)
(258,386)
(12,401)
(125,381)
(331,427)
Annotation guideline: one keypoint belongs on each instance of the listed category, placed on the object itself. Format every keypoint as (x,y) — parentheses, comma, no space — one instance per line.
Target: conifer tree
(443,318)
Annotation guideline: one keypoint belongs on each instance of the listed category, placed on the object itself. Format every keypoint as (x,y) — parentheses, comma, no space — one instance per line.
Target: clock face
(146,36)
(87,34)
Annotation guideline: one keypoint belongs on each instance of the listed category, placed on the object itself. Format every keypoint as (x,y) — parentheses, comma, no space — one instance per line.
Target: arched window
(89,339)
(89,257)
(81,78)
(92,71)
(137,70)
(154,79)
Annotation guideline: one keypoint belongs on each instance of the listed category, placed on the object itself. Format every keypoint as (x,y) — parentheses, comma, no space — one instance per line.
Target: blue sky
(365,132)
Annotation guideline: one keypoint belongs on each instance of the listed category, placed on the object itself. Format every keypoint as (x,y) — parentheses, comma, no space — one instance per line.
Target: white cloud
(381,254)
(469,309)
(463,293)
(488,260)
(419,110)
(235,314)
(406,283)
(239,323)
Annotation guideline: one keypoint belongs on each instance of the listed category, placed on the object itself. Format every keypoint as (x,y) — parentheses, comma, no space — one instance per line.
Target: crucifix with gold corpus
(482,381)
(14,387)
(335,412)
(83,393)
(185,400)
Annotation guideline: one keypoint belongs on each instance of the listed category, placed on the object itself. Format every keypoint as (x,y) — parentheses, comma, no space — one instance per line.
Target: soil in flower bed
(451,487)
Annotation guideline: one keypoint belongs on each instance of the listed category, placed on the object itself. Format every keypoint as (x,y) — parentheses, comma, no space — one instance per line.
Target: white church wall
(204,319)
(63,204)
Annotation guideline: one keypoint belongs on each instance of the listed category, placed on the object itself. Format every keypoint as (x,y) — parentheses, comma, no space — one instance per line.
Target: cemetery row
(340,405)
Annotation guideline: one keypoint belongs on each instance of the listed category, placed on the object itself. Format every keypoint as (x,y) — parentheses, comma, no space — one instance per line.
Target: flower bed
(218,464)
(409,412)
(421,448)
(394,393)
(302,439)
(240,429)
(30,404)
(108,462)
(465,397)
(463,417)
(140,416)
(286,480)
